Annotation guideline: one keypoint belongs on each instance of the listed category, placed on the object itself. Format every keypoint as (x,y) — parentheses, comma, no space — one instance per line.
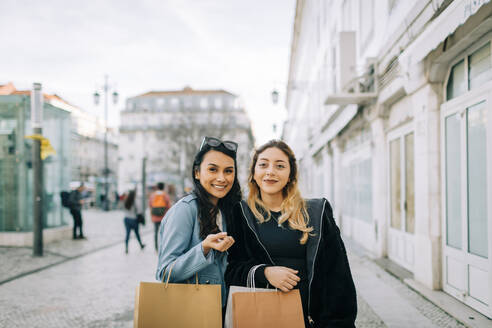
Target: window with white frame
(174,103)
(357,202)
(218,103)
(188,102)
(470,72)
(465,153)
(203,103)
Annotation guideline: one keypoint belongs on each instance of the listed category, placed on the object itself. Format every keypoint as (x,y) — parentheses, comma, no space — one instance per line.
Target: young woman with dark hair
(193,232)
(290,242)
(131,223)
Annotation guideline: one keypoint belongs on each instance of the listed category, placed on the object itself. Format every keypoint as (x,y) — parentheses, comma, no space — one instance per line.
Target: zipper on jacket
(258,238)
(311,321)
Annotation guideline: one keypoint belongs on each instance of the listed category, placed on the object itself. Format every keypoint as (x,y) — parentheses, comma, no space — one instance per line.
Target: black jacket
(75,197)
(332,297)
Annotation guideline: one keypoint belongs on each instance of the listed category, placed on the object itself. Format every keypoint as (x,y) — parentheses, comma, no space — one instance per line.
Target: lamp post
(37,164)
(274,96)
(106,89)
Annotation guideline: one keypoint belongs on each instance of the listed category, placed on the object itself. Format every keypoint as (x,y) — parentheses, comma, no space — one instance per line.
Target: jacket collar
(248,215)
(315,210)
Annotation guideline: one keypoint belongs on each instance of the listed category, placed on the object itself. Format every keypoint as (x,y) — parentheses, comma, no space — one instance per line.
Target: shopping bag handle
(250,281)
(169,276)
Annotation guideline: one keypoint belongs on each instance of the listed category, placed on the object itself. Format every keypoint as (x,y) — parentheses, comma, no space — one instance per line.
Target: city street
(381,107)
(92,284)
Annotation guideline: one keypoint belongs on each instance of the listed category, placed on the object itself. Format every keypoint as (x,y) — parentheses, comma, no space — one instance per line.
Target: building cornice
(293,47)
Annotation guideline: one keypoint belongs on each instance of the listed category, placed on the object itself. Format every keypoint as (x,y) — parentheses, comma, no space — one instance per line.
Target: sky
(69,46)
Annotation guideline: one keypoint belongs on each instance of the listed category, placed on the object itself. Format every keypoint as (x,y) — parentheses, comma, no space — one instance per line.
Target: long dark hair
(130,199)
(207,211)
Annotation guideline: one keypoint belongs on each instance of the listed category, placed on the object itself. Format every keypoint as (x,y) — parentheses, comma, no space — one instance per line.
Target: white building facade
(389,115)
(88,148)
(166,128)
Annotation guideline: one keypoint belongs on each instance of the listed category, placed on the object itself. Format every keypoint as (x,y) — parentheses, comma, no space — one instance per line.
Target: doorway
(466,184)
(401,230)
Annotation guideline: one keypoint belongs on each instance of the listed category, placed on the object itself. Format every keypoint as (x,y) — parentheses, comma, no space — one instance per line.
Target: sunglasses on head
(214,142)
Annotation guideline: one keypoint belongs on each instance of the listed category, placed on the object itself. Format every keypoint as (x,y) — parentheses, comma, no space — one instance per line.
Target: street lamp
(274,96)
(37,100)
(106,89)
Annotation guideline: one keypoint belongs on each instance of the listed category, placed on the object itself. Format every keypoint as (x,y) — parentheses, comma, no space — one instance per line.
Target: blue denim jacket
(181,243)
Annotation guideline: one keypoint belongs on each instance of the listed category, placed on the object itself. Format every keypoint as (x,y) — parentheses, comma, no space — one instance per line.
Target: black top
(282,243)
(333,301)
(75,197)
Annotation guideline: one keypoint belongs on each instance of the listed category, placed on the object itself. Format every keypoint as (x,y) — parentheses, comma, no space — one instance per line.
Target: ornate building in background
(166,128)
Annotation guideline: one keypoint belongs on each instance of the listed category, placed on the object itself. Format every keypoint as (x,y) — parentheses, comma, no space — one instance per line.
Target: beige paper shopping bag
(260,307)
(267,309)
(160,305)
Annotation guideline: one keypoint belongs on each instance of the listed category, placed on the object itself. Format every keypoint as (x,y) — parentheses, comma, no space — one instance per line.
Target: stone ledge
(463,313)
(26,238)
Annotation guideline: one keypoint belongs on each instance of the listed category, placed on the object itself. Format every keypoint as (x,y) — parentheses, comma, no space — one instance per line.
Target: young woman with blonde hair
(291,242)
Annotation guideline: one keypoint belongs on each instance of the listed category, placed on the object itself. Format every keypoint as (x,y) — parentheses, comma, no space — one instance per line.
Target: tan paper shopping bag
(177,305)
(267,309)
(234,289)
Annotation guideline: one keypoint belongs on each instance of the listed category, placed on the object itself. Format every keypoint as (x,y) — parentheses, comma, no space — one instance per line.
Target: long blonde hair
(293,208)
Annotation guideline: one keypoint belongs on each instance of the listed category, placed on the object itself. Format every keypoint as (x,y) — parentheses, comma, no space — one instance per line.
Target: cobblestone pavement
(391,301)
(101,228)
(98,289)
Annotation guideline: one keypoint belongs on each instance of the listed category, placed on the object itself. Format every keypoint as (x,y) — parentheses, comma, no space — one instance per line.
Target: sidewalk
(90,283)
(400,301)
(18,261)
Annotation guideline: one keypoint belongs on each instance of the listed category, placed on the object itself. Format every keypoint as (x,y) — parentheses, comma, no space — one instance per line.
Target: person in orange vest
(159,203)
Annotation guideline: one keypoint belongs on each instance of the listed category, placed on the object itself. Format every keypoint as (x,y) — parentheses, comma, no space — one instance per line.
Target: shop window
(477,183)
(402,180)
(395,184)
(453,180)
(456,83)
(479,70)
(469,73)
(409,184)
(358,190)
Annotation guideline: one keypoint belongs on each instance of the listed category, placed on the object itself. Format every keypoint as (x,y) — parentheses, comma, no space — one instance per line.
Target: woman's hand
(219,241)
(282,278)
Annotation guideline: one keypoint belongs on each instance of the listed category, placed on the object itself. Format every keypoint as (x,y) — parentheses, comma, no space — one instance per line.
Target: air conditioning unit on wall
(351,88)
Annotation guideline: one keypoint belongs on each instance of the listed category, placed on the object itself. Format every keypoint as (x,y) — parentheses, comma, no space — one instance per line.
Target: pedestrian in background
(116,200)
(193,233)
(159,203)
(131,210)
(76,202)
(291,242)
(171,191)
